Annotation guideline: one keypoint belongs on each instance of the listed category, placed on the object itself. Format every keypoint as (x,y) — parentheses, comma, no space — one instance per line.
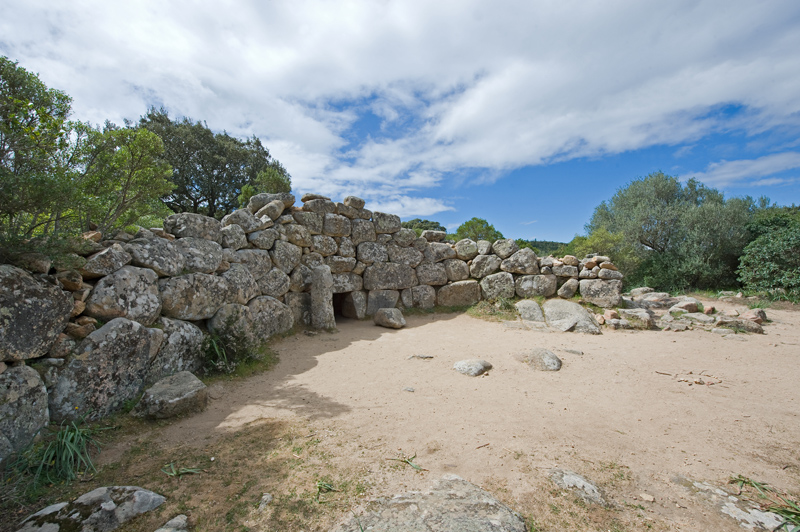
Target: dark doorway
(338,301)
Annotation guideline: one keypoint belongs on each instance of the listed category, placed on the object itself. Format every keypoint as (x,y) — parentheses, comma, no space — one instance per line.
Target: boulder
(70,280)
(564,270)
(181,350)
(179,523)
(409,256)
(188,224)
(202,256)
(322,316)
(347,211)
(456,270)
(130,292)
(300,278)
(298,235)
(453,504)
(386,223)
(233,237)
(437,252)
(391,318)
(176,395)
(245,328)
(264,239)
(609,274)
(274,284)
(23,408)
(362,231)
(523,261)
(336,225)
(157,254)
(100,510)
(369,252)
(529,310)
(638,318)
(569,316)
(196,296)
(568,289)
(242,283)
(484,247)
(404,237)
(105,262)
(310,220)
(378,299)
(244,219)
(466,249)
(540,359)
(347,282)
(497,285)
(569,480)
(320,206)
(34,262)
(324,245)
(258,201)
(422,296)
(354,305)
(256,260)
(433,274)
(536,285)
(504,248)
(299,304)
(459,294)
(354,202)
(108,368)
(271,210)
(389,276)
(484,265)
(434,236)
(606,294)
(739,324)
(285,256)
(346,247)
(472,367)
(32,314)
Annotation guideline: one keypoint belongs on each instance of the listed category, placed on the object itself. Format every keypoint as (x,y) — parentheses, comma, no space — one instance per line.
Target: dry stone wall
(134,309)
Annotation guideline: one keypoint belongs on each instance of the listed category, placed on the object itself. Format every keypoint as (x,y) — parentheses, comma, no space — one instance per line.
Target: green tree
(478,229)
(771,262)
(423,225)
(272,180)
(210,169)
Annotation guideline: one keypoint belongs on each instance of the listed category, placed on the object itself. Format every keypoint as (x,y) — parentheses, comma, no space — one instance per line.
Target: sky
(527,113)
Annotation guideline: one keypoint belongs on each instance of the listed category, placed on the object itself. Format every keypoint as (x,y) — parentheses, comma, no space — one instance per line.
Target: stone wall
(88,340)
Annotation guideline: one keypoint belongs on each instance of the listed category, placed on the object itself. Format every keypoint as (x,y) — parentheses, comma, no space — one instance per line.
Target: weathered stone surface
(472,367)
(300,305)
(23,408)
(285,256)
(108,368)
(247,327)
(362,231)
(422,296)
(570,260)
(300,278)
(437,252)
(606,294)
(242,283)
(536,285)
(378,299)
(179,523)
(529,310)
(264,239)
(346,247)
(324,245)
(298,235)
(386,223)
(404,237)
(202,256)
(322,316)
(568,289)
(256,260)
(587,274)
(563,270)
(347,211)
(354,305)
(523,261)
(176,395)
(652,300)
(466,249)
(369,252)
(483,265)
(105,262)
(130,292)
(406,255)
(456,270)
(310,220)
(312,259)
(431,274)
(459,294)
(569,316)
(391,318)
(274,284)
(452,505)
(609,274)
(339,264)
(34,262)
(638,318)
(258,201)
(505,248)
(740,324)
(192,297)
(336,225)
(181,350)
(757,315)
(32,314)
(100,510)
(158,254)
(641,291)
(354,202)
(320,206)
(271,210)
(434,236)
(497,285)
(346,282)
(187,224)
(540,359)
(244,219)
(389,276)
(586,490)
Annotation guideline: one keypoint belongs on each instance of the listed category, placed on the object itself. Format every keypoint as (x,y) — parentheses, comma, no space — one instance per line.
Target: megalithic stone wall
(135,309)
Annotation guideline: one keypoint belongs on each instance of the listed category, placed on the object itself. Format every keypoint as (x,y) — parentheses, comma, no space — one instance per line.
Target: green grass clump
(772,501)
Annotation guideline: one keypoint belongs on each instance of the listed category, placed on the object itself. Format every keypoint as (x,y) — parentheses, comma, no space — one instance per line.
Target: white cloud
(749,172)
(460,86)
(529,223)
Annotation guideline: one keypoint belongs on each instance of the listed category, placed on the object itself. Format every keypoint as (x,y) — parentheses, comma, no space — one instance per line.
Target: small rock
(541,359)
(266,499)
(408,389)
(583,488)
(390,317)
(472,367)
(179,523)
(646,497)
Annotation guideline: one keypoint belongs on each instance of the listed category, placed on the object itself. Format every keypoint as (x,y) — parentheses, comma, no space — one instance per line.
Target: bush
(771,262)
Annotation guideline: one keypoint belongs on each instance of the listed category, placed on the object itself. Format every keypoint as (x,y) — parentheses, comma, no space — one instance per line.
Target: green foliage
(540,247)
(603,242)
(478,229)
(420,225)
(210,169)
(681,235)
(771,262)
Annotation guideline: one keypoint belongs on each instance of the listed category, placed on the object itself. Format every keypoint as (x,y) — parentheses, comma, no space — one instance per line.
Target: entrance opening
(338,301)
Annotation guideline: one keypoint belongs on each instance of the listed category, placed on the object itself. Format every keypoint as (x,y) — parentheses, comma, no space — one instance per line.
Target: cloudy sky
(527,113)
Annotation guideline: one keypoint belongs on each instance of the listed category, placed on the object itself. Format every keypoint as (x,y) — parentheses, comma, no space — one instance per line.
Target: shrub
(771,262)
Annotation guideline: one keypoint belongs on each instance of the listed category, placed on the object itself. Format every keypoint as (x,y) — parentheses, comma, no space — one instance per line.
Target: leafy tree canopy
(478,229)
(420,225)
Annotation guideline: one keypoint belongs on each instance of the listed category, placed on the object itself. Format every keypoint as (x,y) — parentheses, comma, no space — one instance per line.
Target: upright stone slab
(322,316)
(180,350)
(23,408)
(300,305)
(459,294)
(354,305)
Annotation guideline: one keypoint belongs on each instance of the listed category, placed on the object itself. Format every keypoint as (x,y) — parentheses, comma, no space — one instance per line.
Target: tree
(423,225)
(478,229)
(211,169)
(771,262)
(271,180)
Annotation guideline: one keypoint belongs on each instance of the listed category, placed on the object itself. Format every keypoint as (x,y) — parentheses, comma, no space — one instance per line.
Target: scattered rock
(179,523)
(569,316)
(529,310)
(176,395)
(472,367)
(581,487)
(389,317)
(541,359)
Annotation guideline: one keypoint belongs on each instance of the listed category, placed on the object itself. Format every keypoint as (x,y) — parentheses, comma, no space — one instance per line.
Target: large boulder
(459,294)
(158,254)
(273,284)
(606,294)
(247,327)
(453,504)
(176,395)
(188,224)
(529,310)
(466,249)
(540,359)
(243,284)
(369,252)
(386,223)
(362,231)
(347,282)
(324,245)
(484,265)
(260,200)
(181,350)
(497,285)
(391,318)
(244,219)
(256,260)
(202,256)
(378,299)
(504,248)
(406,255)
(422,296)
(389,276)
(300,305)
(354,305)
(233,237)
(430,273)
(536,285)
(108,368)
(196,296)
(105,262)
(23,408)
(437,252)
(523,261)
(32,314)
(130,292)
(569,316)
(456,269)
(336,225)
(285,256)
(322,316)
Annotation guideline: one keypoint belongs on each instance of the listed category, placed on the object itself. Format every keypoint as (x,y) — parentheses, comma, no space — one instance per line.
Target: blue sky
(525,113)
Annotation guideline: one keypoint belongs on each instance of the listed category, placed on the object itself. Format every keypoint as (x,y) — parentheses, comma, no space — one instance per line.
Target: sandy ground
(621,404)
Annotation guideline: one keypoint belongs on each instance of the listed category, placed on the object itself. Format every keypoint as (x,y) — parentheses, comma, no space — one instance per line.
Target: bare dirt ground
(336,407)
